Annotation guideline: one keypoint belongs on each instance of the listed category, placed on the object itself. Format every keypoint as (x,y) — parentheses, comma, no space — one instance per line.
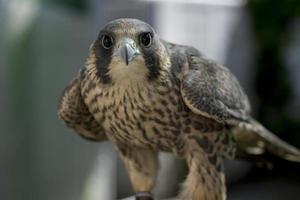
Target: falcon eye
(107,41)
(146,39)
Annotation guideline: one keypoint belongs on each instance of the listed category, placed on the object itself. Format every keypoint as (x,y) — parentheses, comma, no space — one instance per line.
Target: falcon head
(128,49)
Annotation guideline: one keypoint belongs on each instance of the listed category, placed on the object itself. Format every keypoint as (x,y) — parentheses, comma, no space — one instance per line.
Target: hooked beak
(127,50)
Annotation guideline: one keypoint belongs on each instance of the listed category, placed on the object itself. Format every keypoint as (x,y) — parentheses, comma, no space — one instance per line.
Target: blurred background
(43,43)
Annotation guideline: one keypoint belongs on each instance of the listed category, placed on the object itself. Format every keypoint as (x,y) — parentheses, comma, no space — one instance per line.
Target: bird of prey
(146,95)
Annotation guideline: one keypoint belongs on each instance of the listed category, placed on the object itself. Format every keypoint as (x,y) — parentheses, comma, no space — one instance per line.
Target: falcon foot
(143,196)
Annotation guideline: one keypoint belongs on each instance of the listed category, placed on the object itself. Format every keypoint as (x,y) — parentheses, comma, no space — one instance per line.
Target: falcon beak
(127,50)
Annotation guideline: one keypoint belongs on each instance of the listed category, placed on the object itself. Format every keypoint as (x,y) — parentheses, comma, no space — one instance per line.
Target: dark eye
(107,41)
(146,39)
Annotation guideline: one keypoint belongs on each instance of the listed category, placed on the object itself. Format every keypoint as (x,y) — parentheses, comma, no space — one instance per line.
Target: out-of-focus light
(205,2)
(20,15)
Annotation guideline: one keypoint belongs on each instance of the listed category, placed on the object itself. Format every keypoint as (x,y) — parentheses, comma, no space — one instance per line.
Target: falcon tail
(255,140)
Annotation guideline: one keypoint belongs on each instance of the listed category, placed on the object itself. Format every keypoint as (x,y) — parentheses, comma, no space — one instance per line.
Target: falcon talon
(147,95)
(143,196)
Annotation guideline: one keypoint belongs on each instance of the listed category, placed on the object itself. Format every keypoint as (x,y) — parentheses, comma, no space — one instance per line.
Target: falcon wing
(211,90)
(73,111)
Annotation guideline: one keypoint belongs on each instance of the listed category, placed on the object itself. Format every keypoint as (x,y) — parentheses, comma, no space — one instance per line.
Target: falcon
(146,95)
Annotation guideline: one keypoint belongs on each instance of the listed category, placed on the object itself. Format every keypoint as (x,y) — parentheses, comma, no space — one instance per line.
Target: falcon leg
(205,180)
(141,165)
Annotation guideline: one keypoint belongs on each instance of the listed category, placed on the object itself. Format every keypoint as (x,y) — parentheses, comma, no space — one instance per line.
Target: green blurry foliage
(271,21)
(77,5)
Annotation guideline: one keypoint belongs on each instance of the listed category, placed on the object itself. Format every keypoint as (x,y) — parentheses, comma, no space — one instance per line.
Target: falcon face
(146,95)
(128,49)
